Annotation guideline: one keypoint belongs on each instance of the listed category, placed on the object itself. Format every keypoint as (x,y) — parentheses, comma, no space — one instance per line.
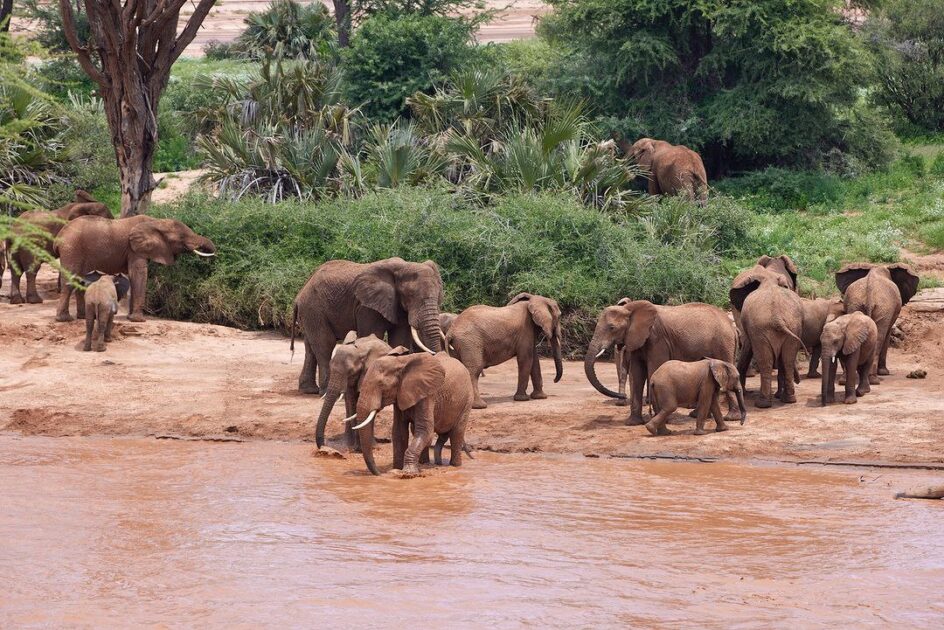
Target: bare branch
(85,60)
(190,31)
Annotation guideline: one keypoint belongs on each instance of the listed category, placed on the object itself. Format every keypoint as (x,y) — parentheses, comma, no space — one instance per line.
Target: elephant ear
(376,288)
(719,372)
(432,264)
(906,279)
(623,301)
(850,273)
(350,337)
(82,196)
(147,240)
(421,376)
(122,285)
(542,314)
(744,284)
(399,351)
(642,315)
(91,278)
(521,297)
(856,332)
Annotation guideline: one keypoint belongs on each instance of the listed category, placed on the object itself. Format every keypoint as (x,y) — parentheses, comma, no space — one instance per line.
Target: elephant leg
(306,380)
(80,304)
(15,273)
(62,309)
(323,346)
(400,438)
(138,273)
(437,449)
(89,333)
(765,367)
(851,366)
(863,387)
(524,373)
(32,295)
(780,372)
(351,437)
(815,355)
(621,373)
(422,435)
(475,368)
(720,424)
(537,379)
(101,321)
(637,381)
(881,360)
(108,328)
(656,426)
(457,444)
(734,410)
(745,358)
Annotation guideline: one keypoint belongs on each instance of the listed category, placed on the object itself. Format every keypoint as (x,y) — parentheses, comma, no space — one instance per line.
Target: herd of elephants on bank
(374,333)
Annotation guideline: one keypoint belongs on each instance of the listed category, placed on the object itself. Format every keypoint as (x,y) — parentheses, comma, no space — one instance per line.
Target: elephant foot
(136,317)
(64,317)
(733,416)
(87,347)
(874,380)
(410,471)
(478,403)
(34,299)
(100,348)
(16,299)
(762,403)
(309,389)
(635,421)
(883,371)
(521,397)
(657,430)
(538,395)
(849,400)
(700,432)
(721,427)
(813,374)
(862,392)
(622,402)
(788,398)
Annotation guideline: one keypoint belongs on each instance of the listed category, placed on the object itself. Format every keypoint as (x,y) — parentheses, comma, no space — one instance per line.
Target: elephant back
(696,330)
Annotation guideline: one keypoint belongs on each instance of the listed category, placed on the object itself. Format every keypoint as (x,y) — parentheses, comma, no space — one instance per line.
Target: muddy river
(118,532)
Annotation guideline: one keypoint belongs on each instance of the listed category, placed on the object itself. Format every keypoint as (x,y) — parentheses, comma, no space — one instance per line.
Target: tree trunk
(6,11)
(342,18)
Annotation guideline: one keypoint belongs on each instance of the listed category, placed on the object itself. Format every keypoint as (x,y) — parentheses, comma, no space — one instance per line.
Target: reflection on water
(128,532)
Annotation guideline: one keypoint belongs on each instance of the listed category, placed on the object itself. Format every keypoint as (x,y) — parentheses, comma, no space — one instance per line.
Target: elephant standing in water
(433,393)
(650,335)
(122,246)
(879,291)
(23,262)
(852,339)
(673,169)
(484,336)
(389,297)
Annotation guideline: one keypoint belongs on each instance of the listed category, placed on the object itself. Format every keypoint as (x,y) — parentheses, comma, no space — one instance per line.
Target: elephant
(852,339)
(23,262)
(879,291)
(693,384)
(650,335)
(431,392)
(445,322)
(673,169)
(123,246)
(781,265)
(771,317)
(622,373)
(102,294)
(394,297)
(349,362)
(484,336)
(815,314)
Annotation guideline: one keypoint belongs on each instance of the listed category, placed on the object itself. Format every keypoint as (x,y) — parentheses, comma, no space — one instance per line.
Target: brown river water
(128,532)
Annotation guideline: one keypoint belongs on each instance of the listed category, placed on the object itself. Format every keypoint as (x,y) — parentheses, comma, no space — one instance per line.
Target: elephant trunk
(594,350)
(365,434)
(826,378)
(335,386)
(558,359)
(741,406)
(429,328)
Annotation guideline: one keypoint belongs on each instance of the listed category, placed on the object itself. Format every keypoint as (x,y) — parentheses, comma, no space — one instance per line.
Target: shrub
(783,190)
(391,58)
(219,51)
(286,29)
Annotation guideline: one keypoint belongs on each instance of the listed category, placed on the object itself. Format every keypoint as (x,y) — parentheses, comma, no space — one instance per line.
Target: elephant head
(628,325)
(782,265)
(398,378)
(751,279)
(726,376)
(546,315)
(902,275)
(842,335)
(162,240)
(641,152)
(349,362)
(399,290)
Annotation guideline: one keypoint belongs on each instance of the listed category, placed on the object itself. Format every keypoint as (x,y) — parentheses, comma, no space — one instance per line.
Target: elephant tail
(790,333)
(294,329)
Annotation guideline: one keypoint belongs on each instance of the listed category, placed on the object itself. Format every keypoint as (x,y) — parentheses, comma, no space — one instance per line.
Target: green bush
(390,58)
(783,190)
(286,29)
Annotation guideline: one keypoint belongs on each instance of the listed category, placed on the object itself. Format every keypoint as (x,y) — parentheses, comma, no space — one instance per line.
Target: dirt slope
(165,378)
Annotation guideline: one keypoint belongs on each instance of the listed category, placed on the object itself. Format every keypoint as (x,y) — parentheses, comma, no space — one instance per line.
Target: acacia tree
(6,11)
(129,52)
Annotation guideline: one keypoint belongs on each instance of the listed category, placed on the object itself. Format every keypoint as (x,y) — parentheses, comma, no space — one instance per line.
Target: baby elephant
(694,384)
(852,339)
(102,294)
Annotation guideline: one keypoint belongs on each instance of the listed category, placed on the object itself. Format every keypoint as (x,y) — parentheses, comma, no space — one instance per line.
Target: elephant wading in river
(650,335)
(349,363)
(879,291)
(484,336)
(431,393)
(852,339)
(23,262)
(673,169)
(123,246)
(389,297)
(772,321)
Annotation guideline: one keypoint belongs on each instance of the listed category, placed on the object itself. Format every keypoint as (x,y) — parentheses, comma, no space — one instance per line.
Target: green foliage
(47,22)
(286,29)
(87,159)
(908,39)
(391,58)
(747,83)
(61,75)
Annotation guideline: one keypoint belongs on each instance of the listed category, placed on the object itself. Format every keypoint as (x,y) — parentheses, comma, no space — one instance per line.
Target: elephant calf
(815,315)
(102,295)
(693,384)
(852,339)
(484,336)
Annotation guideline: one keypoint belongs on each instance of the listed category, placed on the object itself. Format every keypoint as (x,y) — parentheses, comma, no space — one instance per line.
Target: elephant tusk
(335,351)
(602,352)
(204,254)
(351,418)
(416,339)
(445,343)
(370,418)
(341,397)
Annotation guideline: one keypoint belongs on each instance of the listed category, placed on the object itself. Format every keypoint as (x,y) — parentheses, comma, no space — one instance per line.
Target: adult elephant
(349,362)
(650,335)
(484,336)
(52,222)
(879,291)
(785,270)
(389,297)
(771,317)
(673,169)
(122,246)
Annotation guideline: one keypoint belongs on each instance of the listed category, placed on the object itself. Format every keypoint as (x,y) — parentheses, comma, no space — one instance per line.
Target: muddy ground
(174,379)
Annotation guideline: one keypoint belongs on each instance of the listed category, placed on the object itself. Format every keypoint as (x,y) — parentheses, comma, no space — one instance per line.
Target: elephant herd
(375,336)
